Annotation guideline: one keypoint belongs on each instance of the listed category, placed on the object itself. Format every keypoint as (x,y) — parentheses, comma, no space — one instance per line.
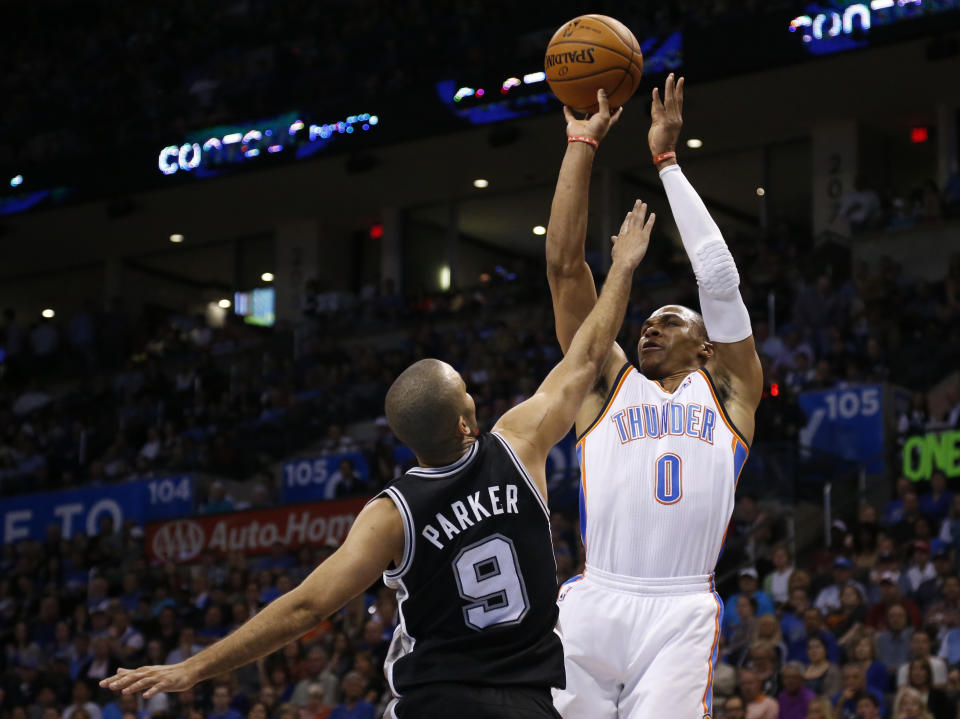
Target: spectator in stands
(762,658)
(353,705)
(865,655)
(748,586)
(316,671)
(944,613)
(768,630)
(757,705)
(733,708)
(820,708)
(890,596)
(893,644)
(345,482)
(795,697)
(744,633)
(336,442)
(791,624)
(920,645)
(813,628)
(82,702)
(868,707)
(950,526)
(908,704)
(920,678)
(931,590)
(894,512)
(860,206)
(903,530)
(776,583)
(850,609)
(821,675)
(221,704)
(919,570)
(217,499)
(187,646)
(102,664)
(315,708)
(854,687)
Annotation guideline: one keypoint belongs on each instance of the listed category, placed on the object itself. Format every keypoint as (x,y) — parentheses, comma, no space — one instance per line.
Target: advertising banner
(254,532)
(847,423)
(80,510)
(312,478)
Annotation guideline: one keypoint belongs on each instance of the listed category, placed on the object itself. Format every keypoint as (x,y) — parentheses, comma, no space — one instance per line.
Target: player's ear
(463,427)
(706,351)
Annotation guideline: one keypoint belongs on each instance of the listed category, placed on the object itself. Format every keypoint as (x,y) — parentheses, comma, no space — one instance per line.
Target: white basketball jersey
(657,478)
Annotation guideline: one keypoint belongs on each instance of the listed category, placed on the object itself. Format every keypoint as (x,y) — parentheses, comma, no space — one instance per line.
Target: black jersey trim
(408,533)
(523,472)
(722,408)
(614,388)
(438,472)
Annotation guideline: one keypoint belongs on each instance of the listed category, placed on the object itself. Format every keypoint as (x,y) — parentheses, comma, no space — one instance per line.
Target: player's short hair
(422,407)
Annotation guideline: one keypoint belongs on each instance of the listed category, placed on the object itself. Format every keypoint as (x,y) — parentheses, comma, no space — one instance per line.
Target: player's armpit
(736,367)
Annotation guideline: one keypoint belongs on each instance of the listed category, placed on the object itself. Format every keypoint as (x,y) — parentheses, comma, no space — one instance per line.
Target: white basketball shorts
(638,648)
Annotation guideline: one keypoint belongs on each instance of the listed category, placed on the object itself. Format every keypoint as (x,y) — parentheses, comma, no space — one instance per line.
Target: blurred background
(226,227)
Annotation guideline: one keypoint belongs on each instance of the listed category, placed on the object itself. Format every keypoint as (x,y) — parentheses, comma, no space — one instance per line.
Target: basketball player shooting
(661,446)
(464,539)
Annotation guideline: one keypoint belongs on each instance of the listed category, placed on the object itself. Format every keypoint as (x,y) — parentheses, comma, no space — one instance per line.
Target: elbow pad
(724,313)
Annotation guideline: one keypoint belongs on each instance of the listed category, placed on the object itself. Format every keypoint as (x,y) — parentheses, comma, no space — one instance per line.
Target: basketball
(589,53)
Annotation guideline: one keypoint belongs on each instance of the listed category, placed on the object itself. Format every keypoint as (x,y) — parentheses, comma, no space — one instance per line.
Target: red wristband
(584,138)
(664,156)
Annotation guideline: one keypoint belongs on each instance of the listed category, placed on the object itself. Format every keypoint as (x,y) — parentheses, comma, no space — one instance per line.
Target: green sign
(925,453)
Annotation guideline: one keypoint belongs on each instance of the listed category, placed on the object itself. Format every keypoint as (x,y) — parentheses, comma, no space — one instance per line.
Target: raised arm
(375,540)
(571,282)
(734,364)
(536,425)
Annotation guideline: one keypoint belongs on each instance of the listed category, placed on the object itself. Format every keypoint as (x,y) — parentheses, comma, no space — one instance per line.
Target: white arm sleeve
(724,313)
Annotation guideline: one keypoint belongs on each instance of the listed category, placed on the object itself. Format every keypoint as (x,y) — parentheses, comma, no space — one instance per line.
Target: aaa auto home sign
(254,532)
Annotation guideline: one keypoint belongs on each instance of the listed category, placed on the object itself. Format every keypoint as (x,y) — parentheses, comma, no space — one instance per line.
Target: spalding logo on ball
(592,52)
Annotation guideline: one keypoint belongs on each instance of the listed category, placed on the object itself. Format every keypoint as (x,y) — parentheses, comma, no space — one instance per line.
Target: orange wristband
(664,156)
(584,138)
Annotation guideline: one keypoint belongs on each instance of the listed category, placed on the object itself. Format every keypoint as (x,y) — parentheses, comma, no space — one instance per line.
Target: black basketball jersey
(477,586)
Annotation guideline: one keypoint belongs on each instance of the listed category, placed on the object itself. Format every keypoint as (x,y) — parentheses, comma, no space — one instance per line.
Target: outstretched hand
(666,117)
(151,680)
(596,125)
(630,244)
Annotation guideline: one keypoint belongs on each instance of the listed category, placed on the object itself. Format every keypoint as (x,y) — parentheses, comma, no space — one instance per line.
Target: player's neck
(447,459)
(673,380)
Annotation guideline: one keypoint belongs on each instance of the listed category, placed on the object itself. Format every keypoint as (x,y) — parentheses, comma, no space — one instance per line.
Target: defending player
(464,538)
(661,447)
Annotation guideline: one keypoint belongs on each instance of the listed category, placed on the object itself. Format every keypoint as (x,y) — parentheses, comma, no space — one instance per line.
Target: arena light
(534,77)
(176,238)
(267,277)
(508,83)
(376,231)
(761,192)
(16,181)
(481,184)
(539,230)
(48,313)
(919,135)
(444,278)
(694,143)
(224,304)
